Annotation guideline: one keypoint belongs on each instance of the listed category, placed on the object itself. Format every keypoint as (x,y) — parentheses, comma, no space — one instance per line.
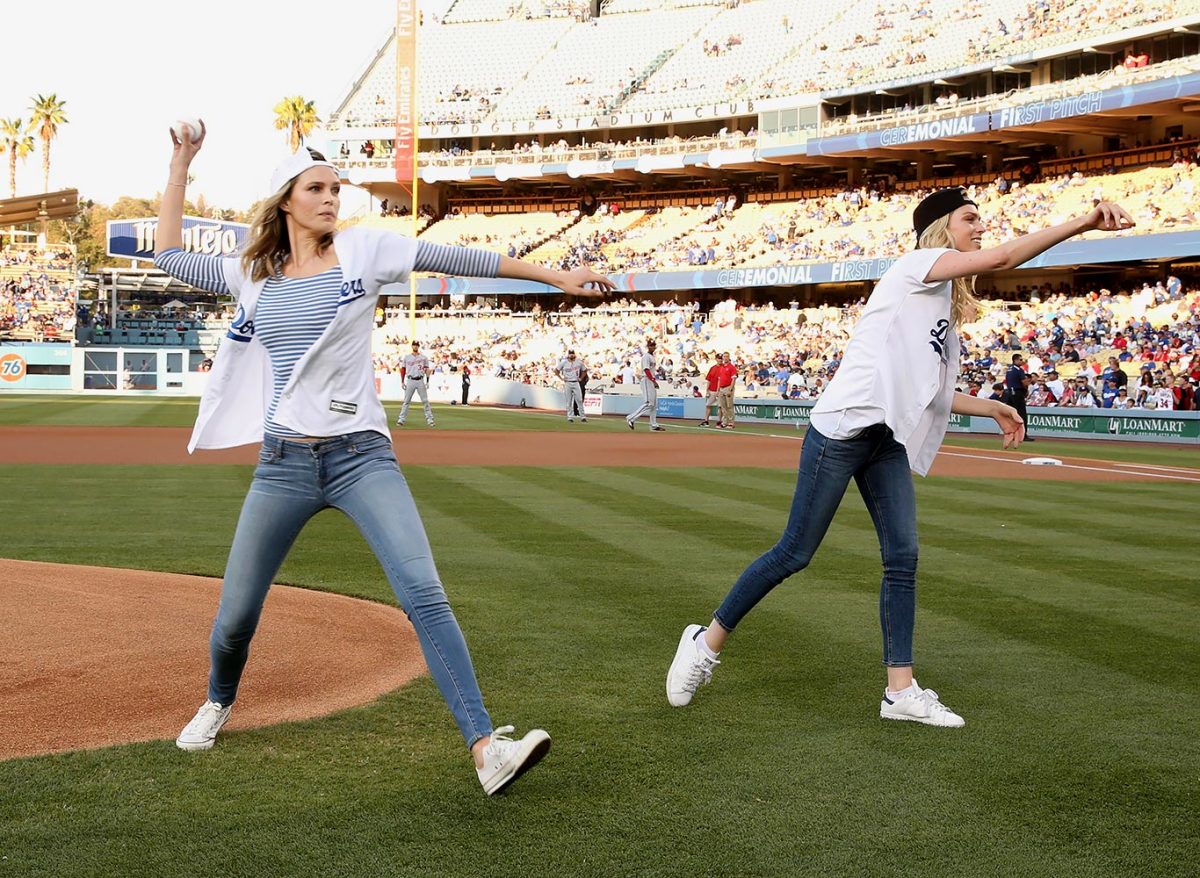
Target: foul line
(1190,470)
(1097,469)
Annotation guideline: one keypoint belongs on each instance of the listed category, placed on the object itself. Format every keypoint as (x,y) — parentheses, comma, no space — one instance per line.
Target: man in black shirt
(1016,388)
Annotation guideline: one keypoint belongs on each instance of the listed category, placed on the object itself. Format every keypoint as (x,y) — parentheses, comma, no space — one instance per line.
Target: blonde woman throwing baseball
(883,417)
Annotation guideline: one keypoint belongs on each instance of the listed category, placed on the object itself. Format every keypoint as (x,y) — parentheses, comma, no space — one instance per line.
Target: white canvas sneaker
(201,732)
(504,760)
(689,669)
(921,706)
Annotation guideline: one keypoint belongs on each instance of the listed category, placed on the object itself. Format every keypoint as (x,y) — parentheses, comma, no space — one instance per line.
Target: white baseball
(187,129)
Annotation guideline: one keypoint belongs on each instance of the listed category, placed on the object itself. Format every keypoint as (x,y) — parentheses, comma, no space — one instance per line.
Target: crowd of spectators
(1098,349)
(37,293)
(872,220)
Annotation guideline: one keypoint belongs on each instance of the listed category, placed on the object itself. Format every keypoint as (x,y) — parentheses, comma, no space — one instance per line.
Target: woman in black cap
(884,416)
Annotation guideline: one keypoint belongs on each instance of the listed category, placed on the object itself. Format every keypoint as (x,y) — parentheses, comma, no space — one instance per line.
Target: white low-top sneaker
(921,706)
(690,668)
(201,732)
(504,760)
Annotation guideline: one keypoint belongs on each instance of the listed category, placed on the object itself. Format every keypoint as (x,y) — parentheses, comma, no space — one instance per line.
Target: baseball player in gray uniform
(649,390)
(570,369)
(415,371)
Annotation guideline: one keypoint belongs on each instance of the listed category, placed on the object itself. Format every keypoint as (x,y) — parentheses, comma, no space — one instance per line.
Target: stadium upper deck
(491,61)
(664,106)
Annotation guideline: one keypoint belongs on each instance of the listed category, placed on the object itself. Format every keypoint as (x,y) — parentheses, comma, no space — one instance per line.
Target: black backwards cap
(938,204)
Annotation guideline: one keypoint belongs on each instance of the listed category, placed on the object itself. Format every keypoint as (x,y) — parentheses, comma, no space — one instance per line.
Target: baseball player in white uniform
(649,390)
(570,369)
(415,372)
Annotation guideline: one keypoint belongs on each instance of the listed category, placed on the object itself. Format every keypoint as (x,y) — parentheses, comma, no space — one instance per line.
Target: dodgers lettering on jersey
(571,369)
(351,290)
(240,329)
(415,365)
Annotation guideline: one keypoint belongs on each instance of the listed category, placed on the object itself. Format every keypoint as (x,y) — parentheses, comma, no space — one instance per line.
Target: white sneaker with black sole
(920,706)
(504,760)
(201,732)
(690,669)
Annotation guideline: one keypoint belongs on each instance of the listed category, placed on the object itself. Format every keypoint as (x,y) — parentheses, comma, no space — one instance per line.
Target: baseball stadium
(627,290)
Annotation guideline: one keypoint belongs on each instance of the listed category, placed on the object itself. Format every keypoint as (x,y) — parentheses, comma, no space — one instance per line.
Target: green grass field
(1066,637)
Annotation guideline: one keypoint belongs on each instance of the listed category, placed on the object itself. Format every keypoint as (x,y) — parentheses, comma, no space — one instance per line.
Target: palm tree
(298,117)
(18,143)
(47,116)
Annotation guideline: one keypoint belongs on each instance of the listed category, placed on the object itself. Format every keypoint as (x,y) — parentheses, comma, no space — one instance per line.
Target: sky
(129,68)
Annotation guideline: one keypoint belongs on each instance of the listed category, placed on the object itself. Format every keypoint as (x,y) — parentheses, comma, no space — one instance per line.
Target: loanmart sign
(1141,426)
(1167,428)
(773,411)
(134,239)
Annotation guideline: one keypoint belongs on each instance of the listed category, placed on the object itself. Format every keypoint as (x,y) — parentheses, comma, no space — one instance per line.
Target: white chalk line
(1111,470)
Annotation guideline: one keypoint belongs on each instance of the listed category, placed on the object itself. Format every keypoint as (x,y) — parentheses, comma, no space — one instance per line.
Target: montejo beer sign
(134,238)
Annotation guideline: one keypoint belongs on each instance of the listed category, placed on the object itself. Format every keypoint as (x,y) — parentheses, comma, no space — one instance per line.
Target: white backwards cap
(295,165)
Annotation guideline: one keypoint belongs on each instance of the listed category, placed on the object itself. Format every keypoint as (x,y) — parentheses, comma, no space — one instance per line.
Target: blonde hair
(963,304)
(267,242)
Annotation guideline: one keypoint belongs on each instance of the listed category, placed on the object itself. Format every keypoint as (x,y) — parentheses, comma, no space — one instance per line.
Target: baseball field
(1057,613)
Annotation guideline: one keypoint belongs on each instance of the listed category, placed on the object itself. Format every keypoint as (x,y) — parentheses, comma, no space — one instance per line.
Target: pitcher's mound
(95,656)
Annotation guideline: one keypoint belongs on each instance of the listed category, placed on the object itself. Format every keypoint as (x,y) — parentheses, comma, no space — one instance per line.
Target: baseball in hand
(187,129)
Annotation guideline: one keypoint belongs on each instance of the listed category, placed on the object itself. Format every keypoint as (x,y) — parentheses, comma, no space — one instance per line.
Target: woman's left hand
(1010,423)
(584,282)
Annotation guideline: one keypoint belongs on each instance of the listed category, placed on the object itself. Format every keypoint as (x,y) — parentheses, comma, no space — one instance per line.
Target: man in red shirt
(726,379)
(714,382)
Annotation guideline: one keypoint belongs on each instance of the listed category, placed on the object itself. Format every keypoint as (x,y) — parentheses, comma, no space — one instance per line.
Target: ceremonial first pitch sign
(134,239)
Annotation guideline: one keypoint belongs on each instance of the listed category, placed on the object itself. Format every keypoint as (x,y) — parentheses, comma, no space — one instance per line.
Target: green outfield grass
(1069,644)
(135,411)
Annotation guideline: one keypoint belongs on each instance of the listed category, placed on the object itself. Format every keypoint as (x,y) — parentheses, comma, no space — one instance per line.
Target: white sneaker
(200,733)
(921,706)
(399,423)
(583,420)
(504,760)
(429,423)
(570,420)
(689,669)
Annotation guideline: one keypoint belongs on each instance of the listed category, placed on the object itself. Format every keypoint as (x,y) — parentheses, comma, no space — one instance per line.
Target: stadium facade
(537,109)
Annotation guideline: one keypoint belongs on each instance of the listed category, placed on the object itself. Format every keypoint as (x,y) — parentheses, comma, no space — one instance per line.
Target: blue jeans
(359,475)
(879,465)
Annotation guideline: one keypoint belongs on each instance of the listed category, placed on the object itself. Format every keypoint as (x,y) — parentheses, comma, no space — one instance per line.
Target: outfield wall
(60,368)
(1139,425)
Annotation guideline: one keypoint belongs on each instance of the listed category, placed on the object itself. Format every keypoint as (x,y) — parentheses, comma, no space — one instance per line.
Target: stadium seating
(781,48)
(804,343)
(840,225)
(37,293)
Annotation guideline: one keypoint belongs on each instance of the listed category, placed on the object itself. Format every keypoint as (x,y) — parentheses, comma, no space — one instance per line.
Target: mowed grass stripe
(1064,768)
(1128,647)
(742,484)
(1099,587)
(1089,635)
(1149,576)
(1102,504)
(537,493)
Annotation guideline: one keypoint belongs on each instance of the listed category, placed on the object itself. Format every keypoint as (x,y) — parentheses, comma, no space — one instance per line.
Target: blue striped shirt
(204,272)
(292,313)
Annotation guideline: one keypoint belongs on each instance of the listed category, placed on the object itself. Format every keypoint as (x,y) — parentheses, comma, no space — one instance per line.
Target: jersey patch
(344,408)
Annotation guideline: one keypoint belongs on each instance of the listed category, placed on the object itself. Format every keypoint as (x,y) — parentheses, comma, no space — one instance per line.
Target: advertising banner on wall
(35,367)
(406,90)
(134,238)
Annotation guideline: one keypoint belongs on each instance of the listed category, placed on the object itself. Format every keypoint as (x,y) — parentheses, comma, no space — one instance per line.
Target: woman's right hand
(1108,217)
(185,151)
